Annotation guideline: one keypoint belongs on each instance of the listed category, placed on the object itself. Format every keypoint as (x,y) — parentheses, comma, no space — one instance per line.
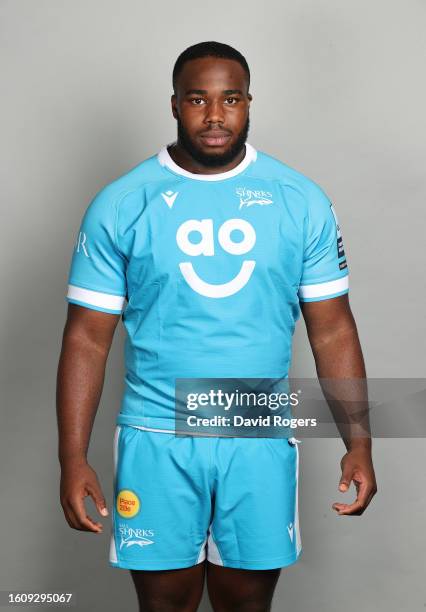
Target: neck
(182,158)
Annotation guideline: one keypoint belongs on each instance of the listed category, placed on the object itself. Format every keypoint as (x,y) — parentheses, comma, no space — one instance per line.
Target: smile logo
(206,247)
(128,504)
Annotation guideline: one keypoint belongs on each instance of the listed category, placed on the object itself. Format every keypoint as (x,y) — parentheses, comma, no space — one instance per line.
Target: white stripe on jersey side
(112,548)
(96,298)
(323,289)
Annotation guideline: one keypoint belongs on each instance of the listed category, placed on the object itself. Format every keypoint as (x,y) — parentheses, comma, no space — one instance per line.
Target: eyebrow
(227,92)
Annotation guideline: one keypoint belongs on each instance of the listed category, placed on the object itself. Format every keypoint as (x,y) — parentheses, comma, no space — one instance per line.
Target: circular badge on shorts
(128,504)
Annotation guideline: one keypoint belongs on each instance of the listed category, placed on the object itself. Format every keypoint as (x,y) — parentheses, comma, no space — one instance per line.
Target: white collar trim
(165,159)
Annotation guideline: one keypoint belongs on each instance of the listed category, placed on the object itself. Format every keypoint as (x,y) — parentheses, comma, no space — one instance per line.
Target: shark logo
(134,540)
(290,528)
(130,536)
(206,247)
(249,197)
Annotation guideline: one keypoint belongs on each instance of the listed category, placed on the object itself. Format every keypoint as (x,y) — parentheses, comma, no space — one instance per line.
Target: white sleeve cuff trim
(323,289)
(96,298)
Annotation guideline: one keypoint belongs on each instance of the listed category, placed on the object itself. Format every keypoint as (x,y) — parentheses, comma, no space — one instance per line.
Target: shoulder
(295,184)
(126,189)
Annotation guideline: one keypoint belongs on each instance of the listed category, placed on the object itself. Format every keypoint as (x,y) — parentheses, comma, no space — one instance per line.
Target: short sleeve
(325,269)
(97,275)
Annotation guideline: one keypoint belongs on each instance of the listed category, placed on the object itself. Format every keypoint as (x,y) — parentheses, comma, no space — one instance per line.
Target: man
(216,247)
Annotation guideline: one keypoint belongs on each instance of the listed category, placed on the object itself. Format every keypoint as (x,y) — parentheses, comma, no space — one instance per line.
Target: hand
(78,480)
(357,465)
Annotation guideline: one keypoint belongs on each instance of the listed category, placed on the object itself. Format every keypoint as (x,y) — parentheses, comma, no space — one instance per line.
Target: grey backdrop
(339,94)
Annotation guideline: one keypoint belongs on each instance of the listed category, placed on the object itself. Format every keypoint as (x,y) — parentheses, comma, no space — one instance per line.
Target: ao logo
(206,247)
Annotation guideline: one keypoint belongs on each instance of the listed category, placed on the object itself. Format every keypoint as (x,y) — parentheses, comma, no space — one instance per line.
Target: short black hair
(209,48)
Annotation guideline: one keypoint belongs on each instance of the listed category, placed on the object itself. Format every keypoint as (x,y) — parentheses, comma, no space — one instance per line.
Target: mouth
(215,139)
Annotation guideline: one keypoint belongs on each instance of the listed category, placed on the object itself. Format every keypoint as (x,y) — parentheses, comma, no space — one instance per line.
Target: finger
(355,508)
(358,507)
(364,489)
(69,515)
(85,522)
(370,497)
(72,518)
(346,479)
(98,499)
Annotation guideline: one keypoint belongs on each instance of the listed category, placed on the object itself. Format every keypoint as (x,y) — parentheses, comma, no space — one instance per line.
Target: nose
(214,112)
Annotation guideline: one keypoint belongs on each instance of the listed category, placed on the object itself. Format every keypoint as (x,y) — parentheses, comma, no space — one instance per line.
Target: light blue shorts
(181,500)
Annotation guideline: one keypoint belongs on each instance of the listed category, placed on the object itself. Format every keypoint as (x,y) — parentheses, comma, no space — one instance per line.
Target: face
(211,106)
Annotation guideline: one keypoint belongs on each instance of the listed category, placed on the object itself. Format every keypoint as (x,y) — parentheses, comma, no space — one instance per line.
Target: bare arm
(330,324)
(338,358)
(86,342)
(337,352)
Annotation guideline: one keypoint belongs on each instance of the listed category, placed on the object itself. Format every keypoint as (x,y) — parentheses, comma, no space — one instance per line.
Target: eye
(197,100)
(232,99)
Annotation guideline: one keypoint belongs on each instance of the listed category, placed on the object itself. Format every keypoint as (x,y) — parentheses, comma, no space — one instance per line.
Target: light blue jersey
(207,271)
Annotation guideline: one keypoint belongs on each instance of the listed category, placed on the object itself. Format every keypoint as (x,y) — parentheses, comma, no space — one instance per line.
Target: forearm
(341,372)
(80,378)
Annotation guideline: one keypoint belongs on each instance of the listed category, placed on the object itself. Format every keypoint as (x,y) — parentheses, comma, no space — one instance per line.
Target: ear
(173,101)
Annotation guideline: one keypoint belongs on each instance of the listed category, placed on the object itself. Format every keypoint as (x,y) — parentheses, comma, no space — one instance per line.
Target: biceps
(91,326)
(326,317)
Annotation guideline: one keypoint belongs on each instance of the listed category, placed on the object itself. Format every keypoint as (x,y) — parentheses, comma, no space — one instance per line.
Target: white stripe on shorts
(112,548)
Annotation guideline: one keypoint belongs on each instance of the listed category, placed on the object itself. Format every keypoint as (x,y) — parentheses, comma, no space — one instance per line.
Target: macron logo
(169,197)
(290,528)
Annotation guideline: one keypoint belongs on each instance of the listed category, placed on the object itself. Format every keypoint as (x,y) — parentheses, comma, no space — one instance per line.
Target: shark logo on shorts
(137,541)
(134,537)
